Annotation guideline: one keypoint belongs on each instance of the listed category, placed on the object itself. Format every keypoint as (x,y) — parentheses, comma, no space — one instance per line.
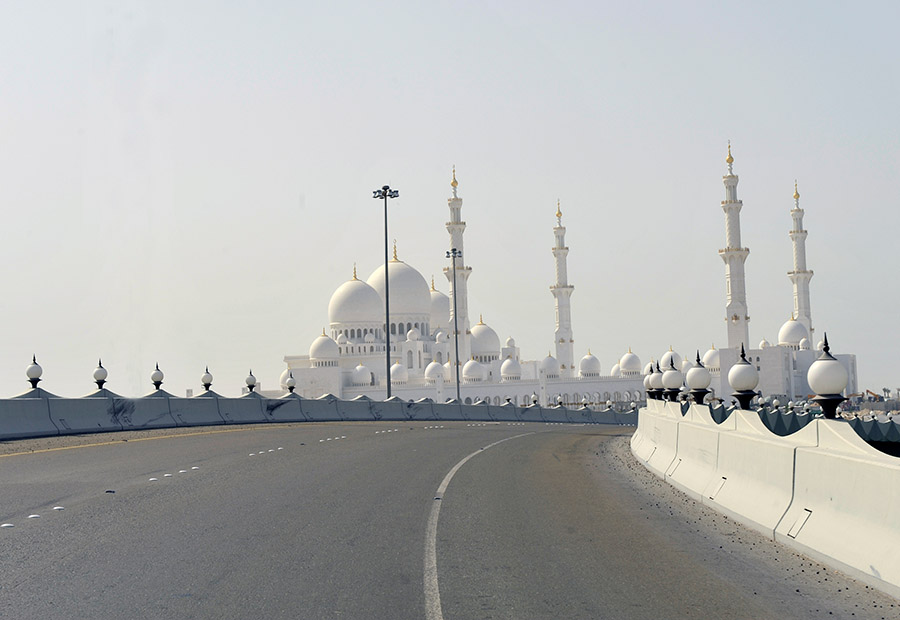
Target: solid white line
(432,593)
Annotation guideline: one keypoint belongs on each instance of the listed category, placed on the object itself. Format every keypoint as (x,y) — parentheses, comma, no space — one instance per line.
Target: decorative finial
(796,193)
(743,355)
(558,209)
(825,346)
(629,349)
(323,331)
(432,283)
(729,160)
(480,319)
(589,351)
(395,251)
(454,183)
(354,272)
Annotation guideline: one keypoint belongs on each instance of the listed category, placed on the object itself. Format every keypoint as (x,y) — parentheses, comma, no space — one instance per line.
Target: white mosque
(348,358)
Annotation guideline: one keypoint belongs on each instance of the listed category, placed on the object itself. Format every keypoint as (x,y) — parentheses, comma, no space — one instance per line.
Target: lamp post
(827,378)
(385,193)
(453,254)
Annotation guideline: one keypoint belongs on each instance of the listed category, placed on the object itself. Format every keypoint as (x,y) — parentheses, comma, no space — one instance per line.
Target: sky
(186,183)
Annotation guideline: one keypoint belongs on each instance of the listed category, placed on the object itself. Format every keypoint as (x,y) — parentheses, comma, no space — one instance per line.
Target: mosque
(348,358)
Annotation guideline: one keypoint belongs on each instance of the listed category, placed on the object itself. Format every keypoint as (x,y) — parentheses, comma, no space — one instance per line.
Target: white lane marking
(195,467)
(252,454)
(432,593)
(7,525)
(182,471)
(271,450)
(34,516)
(153,479)
(167,475)
(58,508)
(281,448)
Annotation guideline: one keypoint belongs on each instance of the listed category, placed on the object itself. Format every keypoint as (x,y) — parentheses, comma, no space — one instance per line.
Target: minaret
(456,227)
(562,291)
(734,256)
(800,276)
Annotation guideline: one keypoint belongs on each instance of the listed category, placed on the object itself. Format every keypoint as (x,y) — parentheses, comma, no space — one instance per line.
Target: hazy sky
(188,182)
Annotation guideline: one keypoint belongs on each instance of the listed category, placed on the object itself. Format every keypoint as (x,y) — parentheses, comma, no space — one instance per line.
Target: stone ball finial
(290,383)
(34,372)
(100,374)
(156,377)
(251,381)
(206,379)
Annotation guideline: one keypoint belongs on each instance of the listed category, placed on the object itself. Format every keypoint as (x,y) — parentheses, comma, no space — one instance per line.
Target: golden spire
(323,331)
(796,193)
(729,160)
(589,351)
(629,349)
(454,182)
(395,252)
(354,272)
(713,346)
(480,319)
(558,210)
(432,283)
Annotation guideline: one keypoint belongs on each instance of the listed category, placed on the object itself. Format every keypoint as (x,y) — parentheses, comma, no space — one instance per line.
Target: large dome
(791,333)
(589,366)
(473,371)
(440,309)
(630,362)
(485,341)
(711,358)
(550,366)
(668,359)
(434,371)
(355,301)
(510,369)
(408,289)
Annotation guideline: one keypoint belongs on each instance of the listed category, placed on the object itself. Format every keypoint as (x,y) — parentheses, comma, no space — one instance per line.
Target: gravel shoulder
(806,587)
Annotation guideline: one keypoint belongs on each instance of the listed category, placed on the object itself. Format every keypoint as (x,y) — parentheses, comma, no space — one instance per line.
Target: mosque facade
(348,358)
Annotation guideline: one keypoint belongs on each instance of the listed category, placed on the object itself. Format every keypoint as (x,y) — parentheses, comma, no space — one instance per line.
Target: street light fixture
(453,255)
(379,194)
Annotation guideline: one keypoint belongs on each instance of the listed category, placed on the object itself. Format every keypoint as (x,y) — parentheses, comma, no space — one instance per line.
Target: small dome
(615,371)
(589,366)
(323,348)
(399,374)
(355,302)
(473,371)
(485,341)
(440,336)
(370,337)
(342,339)
(440,308)
(763,344)
(413,335)
(550,366)
(282,380)
(510,369)
(510,342)
(804,344)
(711,358)
(448,371)
(648,368)
(434,371)
(361,375)
(686,365)
(791,333)
(820,345)
(630,362)
(668,356)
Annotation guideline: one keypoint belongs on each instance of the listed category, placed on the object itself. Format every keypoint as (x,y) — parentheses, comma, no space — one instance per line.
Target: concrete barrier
(661,439)
(357,410)
(754,479)
(450,410)
(845,507)
(555,415)
(26,417)
(151,411)
(202,410)
(83,415)
(697,449)
(503,413)
(284,409)
(393,409)
(422,409)
(531,413)
(322,409)
(247,409)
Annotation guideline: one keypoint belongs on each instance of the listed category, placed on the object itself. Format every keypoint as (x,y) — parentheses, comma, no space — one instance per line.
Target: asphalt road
(332,521)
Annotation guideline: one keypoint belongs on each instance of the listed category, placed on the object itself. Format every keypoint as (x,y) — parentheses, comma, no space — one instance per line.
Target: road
(335,521)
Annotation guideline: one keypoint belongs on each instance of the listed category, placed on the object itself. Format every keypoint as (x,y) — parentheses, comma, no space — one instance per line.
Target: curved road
(335,521)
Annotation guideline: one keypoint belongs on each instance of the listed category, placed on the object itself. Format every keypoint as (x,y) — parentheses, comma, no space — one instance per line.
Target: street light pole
(453,255)
(385,193)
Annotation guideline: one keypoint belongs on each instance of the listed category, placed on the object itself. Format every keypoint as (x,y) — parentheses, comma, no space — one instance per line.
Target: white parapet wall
(822,490)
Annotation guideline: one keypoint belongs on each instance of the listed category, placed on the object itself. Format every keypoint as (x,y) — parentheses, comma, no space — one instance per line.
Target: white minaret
(456,227)
(734,256)
(800,276)
(562,291)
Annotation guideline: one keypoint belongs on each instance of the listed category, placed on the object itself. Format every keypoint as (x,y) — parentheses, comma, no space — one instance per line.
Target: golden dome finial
(323,331)
(729,160)
(589,351)
(454,182)
(629,349)
(395,252)
(796,193)
(481,319)
(558,210)
(432,283)
(354,272)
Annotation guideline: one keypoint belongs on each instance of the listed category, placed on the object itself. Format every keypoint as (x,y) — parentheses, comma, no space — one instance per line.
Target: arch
(409,359)
(440,358)
(468,401)
(497,400)
(393,329)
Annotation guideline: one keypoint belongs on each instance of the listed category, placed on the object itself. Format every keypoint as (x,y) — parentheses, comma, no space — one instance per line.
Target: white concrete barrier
(697,450)
(83,415)
(26,417)
(320,409)
(247,409)
(754,479)
(661,438)
(151,411)
(846,506)
(285,409)
(391,410)
(202,410)
(422,409)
